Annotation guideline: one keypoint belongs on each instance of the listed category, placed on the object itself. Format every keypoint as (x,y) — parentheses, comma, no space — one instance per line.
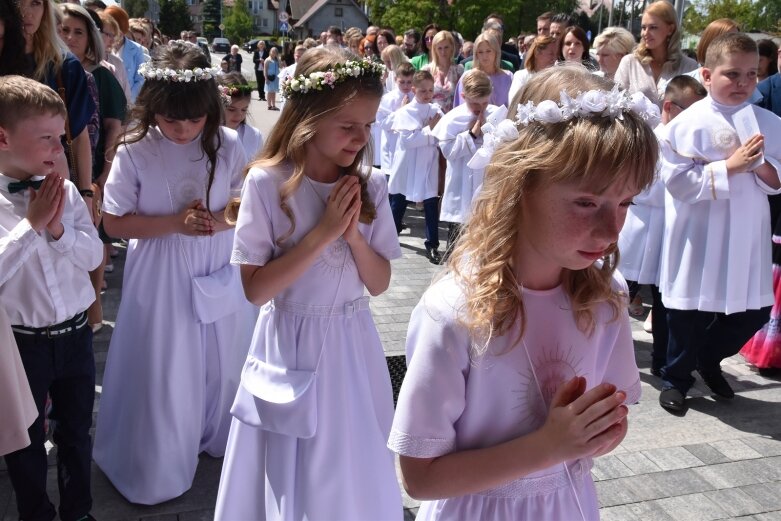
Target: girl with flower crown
(236,95)
(520,356)
(314,232)
(182,328)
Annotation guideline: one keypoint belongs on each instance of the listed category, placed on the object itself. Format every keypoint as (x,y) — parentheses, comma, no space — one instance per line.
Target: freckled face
(563,226)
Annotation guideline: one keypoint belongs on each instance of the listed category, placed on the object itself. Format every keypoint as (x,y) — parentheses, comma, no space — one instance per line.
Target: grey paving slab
(638,462)
(671,458)
(767,494)
(694,507)
(707,453)
(735,502)
(609,467)
(735,449)
(769,516)
(766,445)
(647,511)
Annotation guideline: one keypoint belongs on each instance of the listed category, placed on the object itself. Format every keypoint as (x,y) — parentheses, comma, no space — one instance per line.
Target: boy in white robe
(415,164)
(390,103)
(460,135)
(715,273)
(640,240)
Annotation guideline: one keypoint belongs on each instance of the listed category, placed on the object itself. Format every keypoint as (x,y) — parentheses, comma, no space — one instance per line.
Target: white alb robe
(458,147)
(415,166)
(640,240)
(390,103)
(716,251)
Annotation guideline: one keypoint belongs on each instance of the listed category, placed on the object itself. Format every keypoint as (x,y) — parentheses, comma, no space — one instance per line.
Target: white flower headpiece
(590,104)
(150,72)
(593,103)
(330,78)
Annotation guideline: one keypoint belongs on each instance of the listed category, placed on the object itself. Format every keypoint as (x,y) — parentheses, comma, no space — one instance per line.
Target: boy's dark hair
(414,33)
(547,15)
(493,16)
(94,4)
(12,56)
(421,76)
(680,85)
(180,100)
(729,43)
(769,49)
(22,98)
(405,69)
(563,19)
(335,31)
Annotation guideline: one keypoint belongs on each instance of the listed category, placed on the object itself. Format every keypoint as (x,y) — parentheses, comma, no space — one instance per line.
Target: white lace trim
(526,487)
(406,445)
(241,257)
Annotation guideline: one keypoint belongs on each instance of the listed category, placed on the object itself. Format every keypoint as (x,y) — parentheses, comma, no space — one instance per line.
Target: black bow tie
(18,186)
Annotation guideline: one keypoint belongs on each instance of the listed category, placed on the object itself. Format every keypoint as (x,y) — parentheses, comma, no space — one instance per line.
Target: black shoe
(672,399)
(770,372)
(717,383)
(433,255)
(656,371)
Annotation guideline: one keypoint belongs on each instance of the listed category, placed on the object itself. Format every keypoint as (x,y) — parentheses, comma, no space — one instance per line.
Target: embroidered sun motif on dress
(187,186)
(724,138)
(335,255)
(552,367)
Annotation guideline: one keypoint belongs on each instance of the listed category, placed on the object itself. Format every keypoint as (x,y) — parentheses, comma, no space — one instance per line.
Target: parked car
(251,45)
(221,45)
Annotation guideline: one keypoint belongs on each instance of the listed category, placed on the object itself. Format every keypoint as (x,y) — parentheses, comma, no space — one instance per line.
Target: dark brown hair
(180,100)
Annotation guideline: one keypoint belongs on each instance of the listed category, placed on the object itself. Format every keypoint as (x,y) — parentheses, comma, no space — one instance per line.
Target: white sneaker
(109,268)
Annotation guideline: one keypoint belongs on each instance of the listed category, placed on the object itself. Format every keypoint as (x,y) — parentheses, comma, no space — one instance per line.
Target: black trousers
(702,339)
(64,367)
(260,77)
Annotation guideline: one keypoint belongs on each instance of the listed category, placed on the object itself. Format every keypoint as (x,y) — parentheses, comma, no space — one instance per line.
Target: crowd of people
(244,328)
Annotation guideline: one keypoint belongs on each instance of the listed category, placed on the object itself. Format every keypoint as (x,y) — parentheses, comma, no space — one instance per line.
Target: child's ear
(707,75)
(4,139)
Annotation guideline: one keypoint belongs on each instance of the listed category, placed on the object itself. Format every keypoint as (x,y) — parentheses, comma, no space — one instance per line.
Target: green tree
(238,23)
(212,18)
(136,8)
(752,15)
(464,16)
(174,17)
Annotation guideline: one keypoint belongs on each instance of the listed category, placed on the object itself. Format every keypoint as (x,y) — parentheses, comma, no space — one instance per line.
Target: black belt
(68,327)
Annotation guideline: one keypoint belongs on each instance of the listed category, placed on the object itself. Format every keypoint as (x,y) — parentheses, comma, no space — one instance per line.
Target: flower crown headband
(590,104)
(228,91)
(340,72)
(150,72)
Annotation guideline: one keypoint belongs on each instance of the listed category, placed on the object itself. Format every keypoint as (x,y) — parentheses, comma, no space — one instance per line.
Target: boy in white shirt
(390,103)
(415,164)
(48,244)
(715,275)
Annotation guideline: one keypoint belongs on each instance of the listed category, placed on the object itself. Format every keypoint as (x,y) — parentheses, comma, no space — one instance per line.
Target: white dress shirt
(44,281)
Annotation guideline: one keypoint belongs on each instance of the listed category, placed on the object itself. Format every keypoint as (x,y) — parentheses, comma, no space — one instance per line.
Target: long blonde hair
(493,42)
(298,124)
(48,49)
(596,152)
(666,12)
(441,36)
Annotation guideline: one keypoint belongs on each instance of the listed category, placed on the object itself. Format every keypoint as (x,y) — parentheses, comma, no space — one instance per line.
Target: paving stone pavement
(721,460)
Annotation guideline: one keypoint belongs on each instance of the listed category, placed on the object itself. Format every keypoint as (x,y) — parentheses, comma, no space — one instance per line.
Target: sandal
(636,306)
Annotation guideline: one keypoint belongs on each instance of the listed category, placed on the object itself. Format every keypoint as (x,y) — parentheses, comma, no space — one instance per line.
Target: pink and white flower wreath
(330,78)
